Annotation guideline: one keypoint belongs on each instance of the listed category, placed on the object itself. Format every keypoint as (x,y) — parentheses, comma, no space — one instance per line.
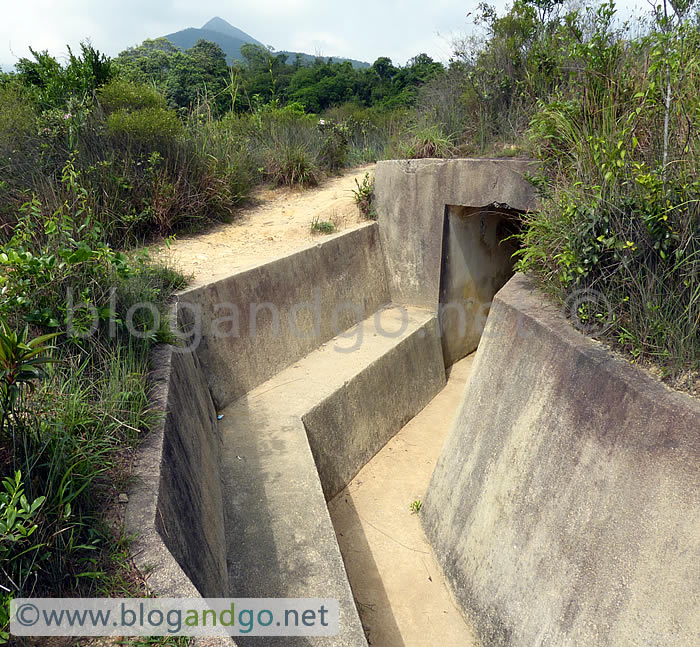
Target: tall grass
(374,133)
(144,174)
(621,210)
(67,445)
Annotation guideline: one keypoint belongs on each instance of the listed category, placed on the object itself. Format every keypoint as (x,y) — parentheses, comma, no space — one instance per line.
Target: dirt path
(279,224)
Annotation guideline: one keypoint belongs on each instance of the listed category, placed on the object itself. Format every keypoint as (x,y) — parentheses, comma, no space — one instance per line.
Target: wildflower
(67,116)
(321,122)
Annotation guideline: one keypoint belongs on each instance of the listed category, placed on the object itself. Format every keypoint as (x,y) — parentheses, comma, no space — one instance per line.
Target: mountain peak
(230,39)
(219,24)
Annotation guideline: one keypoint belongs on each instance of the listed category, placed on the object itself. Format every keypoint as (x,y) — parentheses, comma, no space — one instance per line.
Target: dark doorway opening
(477,251)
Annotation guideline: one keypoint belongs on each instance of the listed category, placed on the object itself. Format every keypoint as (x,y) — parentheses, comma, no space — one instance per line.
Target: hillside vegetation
(98,156)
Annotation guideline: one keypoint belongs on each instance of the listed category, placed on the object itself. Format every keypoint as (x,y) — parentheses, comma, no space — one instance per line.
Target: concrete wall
(565,506)
(350,426)
(476,263)
(411,197)
(190,506)
(175,508)
(299,301)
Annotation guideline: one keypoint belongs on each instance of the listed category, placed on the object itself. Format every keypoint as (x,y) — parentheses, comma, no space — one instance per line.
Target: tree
(201,72)
(671,18)
(150,62)
(184,77)
(55,84)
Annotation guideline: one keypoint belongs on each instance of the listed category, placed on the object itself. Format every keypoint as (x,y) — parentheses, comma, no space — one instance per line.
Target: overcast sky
(362,29)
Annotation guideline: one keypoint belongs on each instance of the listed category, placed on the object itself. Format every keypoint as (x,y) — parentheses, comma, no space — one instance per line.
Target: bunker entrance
(477,262)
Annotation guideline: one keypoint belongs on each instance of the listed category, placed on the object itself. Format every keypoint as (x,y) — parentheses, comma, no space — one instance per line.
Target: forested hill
(230,39)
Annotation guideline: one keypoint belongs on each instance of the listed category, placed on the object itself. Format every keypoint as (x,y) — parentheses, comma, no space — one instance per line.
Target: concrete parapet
(349,426)
(279,534)
(175,508)
(257,322)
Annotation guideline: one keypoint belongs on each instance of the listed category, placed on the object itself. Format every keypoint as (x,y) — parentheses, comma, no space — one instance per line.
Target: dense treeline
(200,75)
(166,139)
(201,72)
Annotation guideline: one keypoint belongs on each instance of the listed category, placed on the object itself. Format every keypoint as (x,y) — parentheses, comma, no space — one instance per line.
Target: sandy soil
(400,591)
(278,223)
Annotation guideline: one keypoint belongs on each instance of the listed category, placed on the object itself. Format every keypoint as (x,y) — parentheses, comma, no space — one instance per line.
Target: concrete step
(301,437)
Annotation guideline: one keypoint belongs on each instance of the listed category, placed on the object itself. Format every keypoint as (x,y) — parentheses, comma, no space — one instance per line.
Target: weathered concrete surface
(190,505)
(476,263)
(175,510)
(298,302)
(411,199)
(565,507)
(279,534)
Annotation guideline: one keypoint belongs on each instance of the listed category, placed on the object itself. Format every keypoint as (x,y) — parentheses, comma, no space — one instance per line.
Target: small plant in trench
(416,506)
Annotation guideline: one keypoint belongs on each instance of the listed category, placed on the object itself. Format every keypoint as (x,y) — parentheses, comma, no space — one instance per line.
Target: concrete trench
(316,364)
(399,589)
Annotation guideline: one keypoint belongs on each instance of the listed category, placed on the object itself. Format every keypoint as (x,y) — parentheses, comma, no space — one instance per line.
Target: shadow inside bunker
(478,244)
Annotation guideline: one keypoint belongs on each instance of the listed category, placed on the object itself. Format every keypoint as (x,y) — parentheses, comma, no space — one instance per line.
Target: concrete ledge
(281,541)
(299,301)
(352,424)
(565,506)
(279,532)
(411,199)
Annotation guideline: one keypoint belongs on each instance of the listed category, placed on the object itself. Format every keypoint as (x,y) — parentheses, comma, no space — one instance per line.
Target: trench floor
(400,591)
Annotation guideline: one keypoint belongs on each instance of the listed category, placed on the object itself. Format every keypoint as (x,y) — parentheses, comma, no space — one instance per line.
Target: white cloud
(364,29)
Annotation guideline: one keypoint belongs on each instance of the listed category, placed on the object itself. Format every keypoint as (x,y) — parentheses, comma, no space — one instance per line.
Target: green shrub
(55,84)
(427,142)
(319,226)
(373,133)
(17,120)
(153,175)
(442,101)
(620,213)
(19,552)
(333,153)
(66,435)
(364,196)
(125,95)
(20,147)
(289,164)
(145,127)
(231,143)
